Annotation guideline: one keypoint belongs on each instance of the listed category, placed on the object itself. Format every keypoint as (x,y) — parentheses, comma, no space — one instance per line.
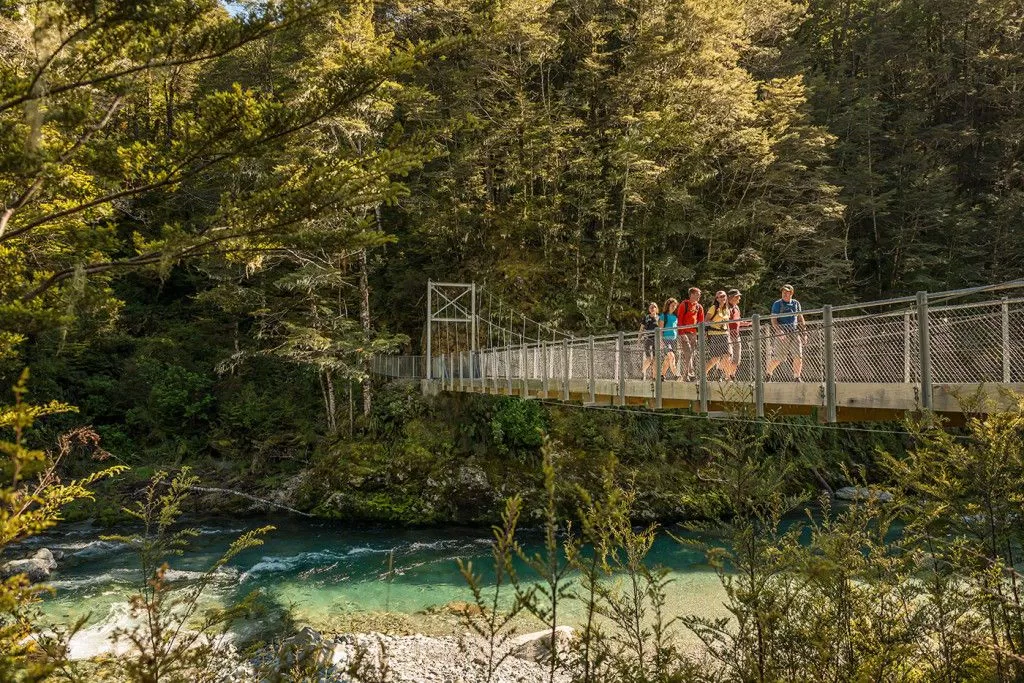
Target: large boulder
(46,557)
(852,493)
(36,568)
(536,647)
(472,479)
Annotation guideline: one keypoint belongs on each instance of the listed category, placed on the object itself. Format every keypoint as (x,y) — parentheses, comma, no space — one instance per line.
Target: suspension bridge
(868,361)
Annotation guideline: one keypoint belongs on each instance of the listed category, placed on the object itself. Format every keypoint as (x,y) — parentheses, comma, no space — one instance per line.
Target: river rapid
(326,575)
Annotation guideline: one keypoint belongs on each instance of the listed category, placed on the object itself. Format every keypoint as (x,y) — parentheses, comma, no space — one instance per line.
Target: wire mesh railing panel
(557,357)
(398,367)
(632,356)
(874,349)
(793,353)
(741,353)
(967,345)
(606,361)
(578,360)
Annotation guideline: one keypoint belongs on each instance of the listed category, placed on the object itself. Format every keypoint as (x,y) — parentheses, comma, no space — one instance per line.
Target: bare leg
(772,365)
(648,363)
(670,363)
(798,366)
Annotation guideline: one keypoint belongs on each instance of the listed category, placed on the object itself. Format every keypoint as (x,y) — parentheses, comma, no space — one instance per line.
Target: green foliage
(516,426)
(32,499)
(174,637)
(493,620)
(965,500)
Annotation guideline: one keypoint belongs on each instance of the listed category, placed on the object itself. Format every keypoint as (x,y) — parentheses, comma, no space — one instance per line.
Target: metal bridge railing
(882,343)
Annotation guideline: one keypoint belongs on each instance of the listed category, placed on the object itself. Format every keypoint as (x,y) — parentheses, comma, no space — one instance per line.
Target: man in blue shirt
(788,333)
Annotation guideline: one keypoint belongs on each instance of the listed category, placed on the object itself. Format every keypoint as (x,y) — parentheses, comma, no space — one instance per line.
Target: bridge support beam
(755,332)
(590,370)
(545,372)
(702,362)
(620,351)
(565,370)
(924,350)
(1006,341)
(430,318)
(830,367)
(658,360)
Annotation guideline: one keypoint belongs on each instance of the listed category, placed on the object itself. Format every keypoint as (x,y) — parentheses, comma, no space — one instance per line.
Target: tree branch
(184,61)
(181,171)
(39,179)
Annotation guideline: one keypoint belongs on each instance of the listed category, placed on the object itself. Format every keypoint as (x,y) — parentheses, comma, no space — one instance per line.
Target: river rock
(536,647)
(36,568)
(45,556)
(863,493)
(428,659)
(306,651)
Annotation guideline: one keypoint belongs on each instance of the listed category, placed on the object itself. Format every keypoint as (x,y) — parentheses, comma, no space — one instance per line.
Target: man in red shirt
(690,313)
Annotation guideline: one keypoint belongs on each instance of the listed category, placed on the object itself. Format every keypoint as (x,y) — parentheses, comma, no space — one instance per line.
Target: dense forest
(209,223)
(214,215)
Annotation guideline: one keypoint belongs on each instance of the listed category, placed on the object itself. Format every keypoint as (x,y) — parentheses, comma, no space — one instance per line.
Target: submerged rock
(853,493)
(461,608)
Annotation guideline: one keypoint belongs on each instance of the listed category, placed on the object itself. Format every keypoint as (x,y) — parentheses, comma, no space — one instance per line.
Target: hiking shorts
(668,345)
(788,345)
(718,345)
(736,350)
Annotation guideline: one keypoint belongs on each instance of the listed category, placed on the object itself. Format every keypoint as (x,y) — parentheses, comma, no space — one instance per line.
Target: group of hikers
(676,327)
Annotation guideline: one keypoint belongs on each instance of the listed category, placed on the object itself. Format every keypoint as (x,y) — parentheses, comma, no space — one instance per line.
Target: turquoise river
(330,576)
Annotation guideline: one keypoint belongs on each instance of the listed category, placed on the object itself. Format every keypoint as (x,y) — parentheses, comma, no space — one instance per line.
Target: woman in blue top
(669,323)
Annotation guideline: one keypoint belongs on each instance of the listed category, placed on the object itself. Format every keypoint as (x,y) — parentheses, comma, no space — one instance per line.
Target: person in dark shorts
(669,333)
(718,334)
(649,335)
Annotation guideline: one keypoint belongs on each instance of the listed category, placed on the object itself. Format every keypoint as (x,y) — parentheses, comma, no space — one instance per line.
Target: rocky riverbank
(420,658)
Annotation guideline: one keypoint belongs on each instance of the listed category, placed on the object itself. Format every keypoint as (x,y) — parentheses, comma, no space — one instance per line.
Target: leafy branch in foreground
(173,637)
(492,620)
(32,498)
(550,565)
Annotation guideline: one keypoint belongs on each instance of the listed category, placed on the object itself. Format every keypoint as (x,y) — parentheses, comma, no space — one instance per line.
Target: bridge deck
(856,402)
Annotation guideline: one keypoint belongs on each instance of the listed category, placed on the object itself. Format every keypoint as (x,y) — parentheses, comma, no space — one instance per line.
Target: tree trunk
(364,318)
(327,390)
(618,247)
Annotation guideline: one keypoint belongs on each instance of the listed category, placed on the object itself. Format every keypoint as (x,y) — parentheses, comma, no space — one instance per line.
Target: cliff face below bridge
(455,459)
